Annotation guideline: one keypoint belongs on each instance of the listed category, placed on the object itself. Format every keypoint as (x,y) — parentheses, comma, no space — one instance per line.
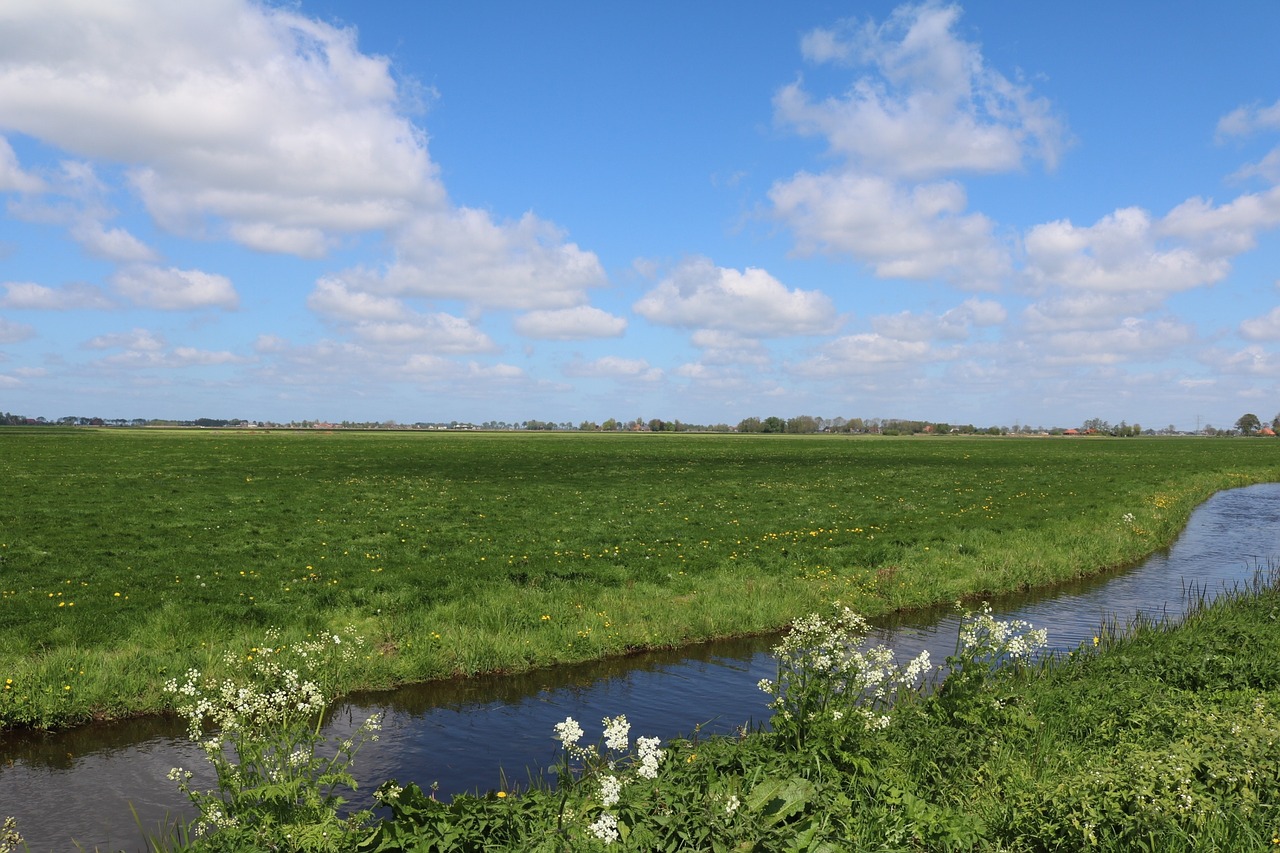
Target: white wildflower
(568,732)
(610,790)
(605,828)
(617,732)
(650,757)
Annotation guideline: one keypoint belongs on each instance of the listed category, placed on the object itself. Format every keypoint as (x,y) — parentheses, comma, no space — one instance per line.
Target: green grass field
(128,556)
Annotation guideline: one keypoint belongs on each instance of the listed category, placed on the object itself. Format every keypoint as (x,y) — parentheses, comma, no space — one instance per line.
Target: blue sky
(996,214)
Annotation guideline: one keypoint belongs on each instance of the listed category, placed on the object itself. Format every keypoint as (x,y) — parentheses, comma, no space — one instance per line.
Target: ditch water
(78,787)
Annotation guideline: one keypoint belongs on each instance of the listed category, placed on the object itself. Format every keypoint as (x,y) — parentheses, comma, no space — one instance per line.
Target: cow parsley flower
(568,732)
(605,828)
(617,732)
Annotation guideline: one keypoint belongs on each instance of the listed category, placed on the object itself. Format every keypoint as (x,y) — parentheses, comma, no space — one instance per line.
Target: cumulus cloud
(332,297)
(111,244)
(465,254)
(863,354)
(721,347)
(698,294)
(13,333)
(1245,120)
(1128,252)
(918,232)
(12,177)
(441,333)
(422,366)
(173,289)
(930,104)
(615,367)
(1119,253)
(1079,309)
(245,114)
(925,105)
(957,324)
(32,296)
(1253,360)
(1134,338)
(570,324)
(1264,328)
(142,340)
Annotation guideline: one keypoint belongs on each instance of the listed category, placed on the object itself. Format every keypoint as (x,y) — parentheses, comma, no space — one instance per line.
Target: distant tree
(750,425)
(802,424)
(656,424)
(1248,424)
(773,424)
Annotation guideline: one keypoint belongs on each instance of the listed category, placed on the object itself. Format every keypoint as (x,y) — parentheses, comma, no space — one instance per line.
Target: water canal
(78,787)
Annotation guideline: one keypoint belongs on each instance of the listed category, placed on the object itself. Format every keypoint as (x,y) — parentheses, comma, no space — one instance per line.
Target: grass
(1162,738)
(128,556)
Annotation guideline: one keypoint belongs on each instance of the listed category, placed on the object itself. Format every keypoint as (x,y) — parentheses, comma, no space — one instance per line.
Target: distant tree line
(1248,424)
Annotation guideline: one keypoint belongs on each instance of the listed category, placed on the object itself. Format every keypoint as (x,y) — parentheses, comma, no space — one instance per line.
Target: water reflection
(464,734)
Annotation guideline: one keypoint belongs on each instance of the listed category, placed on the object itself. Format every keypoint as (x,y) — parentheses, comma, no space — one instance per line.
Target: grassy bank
(1155,738)
(128,557)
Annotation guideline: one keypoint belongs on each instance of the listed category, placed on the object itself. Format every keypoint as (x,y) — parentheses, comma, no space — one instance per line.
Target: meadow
(128,557)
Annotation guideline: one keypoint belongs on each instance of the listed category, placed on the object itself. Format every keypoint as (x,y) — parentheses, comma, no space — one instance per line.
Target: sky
(329,210)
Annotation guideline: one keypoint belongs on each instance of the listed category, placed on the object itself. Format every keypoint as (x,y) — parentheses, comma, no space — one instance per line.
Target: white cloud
(615,367)
(1080,309)
(752,302)
(1264,328)
(570,324)
(728,348)
(441,333)
(1119,253)
(1268,168)
(926,105)
(174,289)
(957,324)
(930,107)
(269,237)
(190,356)
(115,244)
(1134,338)
(29,295)
(142,340)
(465,255)
(1226,229)
(863,354)
(917,233)
(1243,121)
(1128,261)
(13,333)
(12,177)
(423,366)
(333,298)
(251,114)
(1250,361)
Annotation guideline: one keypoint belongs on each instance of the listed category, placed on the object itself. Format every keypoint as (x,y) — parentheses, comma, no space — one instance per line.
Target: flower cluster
(986,639)
(10,838)
(824,673)
(259,725)
(610,772)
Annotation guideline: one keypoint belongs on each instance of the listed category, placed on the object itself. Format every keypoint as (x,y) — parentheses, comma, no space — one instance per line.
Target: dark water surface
(77,787)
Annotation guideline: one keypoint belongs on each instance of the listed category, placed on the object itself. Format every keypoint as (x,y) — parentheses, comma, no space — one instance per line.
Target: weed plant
(130,557)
